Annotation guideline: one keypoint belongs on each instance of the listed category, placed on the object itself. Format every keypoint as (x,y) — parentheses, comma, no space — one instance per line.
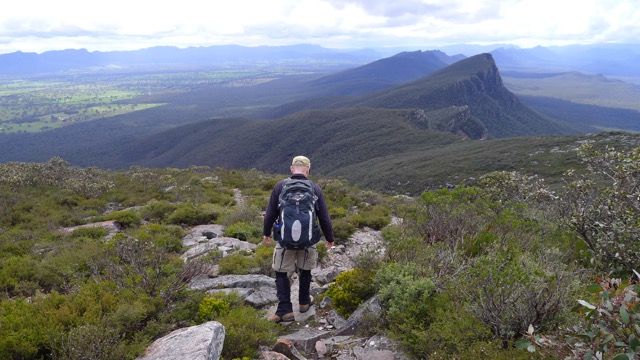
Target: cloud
(38,25)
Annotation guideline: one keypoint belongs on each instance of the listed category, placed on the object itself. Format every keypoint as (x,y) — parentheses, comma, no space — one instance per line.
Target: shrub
(337,212)
(93,232)
(167,237)
(323,252)
(157,210)
(510,289)
(244,214)
(246,330)
(351,289)
(406,296)
(236,264)
(188,214)
(214,306)
(263,259)
(126,218)
(375,217)
(244,231)
(90,342)
(604,207)
(342,230)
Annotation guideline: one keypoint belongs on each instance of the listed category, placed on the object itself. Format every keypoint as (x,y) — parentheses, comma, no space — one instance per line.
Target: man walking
(298,205)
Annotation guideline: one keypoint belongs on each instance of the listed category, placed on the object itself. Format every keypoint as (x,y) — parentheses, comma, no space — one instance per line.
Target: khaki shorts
(287,260)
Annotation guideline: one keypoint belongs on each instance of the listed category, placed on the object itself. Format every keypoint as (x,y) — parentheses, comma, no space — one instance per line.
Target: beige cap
(301,161)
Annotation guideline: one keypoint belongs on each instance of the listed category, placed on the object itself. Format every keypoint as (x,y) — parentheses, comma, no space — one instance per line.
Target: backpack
(297,226)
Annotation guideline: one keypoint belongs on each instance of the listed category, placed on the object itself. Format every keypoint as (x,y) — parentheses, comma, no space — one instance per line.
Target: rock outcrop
(202,342)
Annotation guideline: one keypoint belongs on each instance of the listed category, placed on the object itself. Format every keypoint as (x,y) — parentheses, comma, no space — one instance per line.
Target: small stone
(321,348)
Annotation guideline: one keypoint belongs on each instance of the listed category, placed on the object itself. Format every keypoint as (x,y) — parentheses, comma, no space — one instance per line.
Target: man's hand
(329,245)
(267,241)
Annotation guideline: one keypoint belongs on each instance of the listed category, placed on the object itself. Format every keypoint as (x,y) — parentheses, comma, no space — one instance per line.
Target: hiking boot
(284,318)
(305,308)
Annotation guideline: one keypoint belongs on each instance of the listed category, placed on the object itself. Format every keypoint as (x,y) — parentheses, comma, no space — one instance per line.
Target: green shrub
(263,259)
(342,230)
(214,306)
(337,212)
(407,297)
(375,217)
(244,214)
(167,237)
(157,210)
(188,214)
(510,289)
(245,331)
(323,252)
(126,218)
(93,232)
(351,288)
(244,231)
(236,264)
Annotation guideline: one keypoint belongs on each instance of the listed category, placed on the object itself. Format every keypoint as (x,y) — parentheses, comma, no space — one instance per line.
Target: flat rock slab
(305,339)
(202,342)
(196,234)
(232,281)
(259,297)
(224,244)
(111,226)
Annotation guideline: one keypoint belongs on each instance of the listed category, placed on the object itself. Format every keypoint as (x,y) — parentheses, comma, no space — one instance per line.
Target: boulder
(199,233)
(262,296)
(111,226)
(242,292)
(224,244)
(232,281)
(372,354)
(326,275)
(202,342)
(272,355)
(370,309)
(305,339)
(287,348)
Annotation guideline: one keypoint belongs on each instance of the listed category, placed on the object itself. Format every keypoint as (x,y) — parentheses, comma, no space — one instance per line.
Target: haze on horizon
(40,25)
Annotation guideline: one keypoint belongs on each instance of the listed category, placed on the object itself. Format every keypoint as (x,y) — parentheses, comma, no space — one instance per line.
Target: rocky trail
(319,333)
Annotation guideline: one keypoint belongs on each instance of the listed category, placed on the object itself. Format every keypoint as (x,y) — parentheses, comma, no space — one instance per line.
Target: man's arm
(271,212)
(323,216)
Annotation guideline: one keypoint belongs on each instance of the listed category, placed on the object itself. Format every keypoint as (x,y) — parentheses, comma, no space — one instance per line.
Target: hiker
(297,204)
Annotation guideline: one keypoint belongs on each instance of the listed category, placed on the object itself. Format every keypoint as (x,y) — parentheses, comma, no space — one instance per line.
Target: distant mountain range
(607,59)
(167,57)
(386,114)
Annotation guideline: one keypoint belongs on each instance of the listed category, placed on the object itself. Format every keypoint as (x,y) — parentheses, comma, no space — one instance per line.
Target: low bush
(510,289)
(323,252)
(167,237)
(188,214)
(342,230)
(157,210)
(244,231)
(375,217)
(94,232)
(214,306)
(126,218)
(246,330)
(351,289)
(236,264)
(263,259)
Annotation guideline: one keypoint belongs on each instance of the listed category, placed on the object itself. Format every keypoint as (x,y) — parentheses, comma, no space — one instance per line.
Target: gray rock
(111,226)
(232,281)
(209,234)
(272,355)
(262,296)
(371,354)
(202,342)
(321,348)
(369,309)
(242,292)
(287,348)
(305,339)
(224,244)
(336,319)
(196,234)
(326,275)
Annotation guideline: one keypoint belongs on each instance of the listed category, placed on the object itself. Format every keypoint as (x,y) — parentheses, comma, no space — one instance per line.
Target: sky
(41,25)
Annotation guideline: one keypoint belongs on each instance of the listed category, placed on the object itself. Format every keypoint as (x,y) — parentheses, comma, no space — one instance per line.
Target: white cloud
(38,25)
